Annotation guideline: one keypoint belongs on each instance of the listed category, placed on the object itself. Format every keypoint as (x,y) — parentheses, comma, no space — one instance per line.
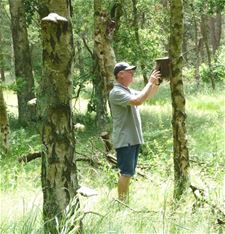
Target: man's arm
(149,90)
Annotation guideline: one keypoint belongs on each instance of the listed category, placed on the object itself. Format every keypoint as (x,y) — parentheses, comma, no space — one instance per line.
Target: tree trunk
(23,67)
(212,31)
(2,74)
(104,61)
(197,48)
(215,25)
(2,62)
(185,47)
(137,37)
(205,39)
(80,66)
(4,122)
(165,3)
(218,30)
(63,8)
(181,155)
(59,173)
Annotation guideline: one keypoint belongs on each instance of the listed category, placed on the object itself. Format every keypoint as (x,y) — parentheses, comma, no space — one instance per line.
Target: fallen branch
(93,212)
(90,161)
(112,159)
(31,156)
(136,211)
(124,204)
(105,136)
(206,164)
(200,196)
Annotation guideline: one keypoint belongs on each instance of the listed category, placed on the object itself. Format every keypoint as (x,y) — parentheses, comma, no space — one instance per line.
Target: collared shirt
(127,128)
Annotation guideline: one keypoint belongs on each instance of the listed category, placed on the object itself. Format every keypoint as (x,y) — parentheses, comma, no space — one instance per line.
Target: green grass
(151,208)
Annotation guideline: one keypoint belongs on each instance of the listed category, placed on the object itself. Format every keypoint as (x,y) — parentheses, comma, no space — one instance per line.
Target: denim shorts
(127,159)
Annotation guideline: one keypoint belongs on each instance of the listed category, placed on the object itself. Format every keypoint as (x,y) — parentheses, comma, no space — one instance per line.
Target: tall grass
(151,208)
(30,222)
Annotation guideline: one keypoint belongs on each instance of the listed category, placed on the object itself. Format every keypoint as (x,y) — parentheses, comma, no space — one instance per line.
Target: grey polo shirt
(127,128)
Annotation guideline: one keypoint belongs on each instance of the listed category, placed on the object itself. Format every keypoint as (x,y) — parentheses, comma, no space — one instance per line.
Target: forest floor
(151,207)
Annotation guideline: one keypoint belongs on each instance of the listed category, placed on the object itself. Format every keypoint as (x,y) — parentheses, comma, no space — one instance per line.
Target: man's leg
(123,188)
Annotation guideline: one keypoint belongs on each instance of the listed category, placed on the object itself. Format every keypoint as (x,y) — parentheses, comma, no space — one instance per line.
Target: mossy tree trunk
(23,66)
(181,155)
(59,173)
(4,122)
(104,61)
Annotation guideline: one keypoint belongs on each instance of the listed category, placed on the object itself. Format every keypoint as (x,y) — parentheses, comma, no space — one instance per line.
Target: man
(127,132)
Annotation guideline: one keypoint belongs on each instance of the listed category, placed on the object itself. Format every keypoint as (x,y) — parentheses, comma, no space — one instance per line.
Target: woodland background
(140,35)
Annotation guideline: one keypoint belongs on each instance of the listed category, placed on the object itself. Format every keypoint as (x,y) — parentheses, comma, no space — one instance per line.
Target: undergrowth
(151,208)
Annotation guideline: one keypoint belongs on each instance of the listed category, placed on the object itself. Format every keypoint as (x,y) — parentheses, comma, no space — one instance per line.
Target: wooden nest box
(163,65)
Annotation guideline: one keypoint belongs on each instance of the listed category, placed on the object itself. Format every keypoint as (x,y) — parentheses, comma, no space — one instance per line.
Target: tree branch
(29,157)
(87,47)
(200,196)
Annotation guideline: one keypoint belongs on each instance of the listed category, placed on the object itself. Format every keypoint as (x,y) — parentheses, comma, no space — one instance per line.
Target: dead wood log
(112,159)
(106,139)
(31,156)
(91,161)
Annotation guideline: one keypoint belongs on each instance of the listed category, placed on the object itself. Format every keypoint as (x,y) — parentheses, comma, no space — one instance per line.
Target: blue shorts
(127,159)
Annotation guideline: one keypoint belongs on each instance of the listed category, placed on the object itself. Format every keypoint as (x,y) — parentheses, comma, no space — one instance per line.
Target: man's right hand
(154,77)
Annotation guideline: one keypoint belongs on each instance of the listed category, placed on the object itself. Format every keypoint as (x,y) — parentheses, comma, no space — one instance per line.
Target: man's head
(122,66)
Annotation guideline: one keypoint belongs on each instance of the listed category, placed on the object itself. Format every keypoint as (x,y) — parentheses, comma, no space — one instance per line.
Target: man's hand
(154,77)
(148,91)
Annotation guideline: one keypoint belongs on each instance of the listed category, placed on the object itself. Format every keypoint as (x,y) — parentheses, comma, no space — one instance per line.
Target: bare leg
(123,188)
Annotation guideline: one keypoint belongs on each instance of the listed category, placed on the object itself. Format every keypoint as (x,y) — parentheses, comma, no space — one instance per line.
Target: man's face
(126,76)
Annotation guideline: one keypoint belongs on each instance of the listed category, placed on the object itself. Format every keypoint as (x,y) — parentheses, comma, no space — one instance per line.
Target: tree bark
(104,61)
(215,25)
(63,8)
(4,122)
(2,74)
(197,48)
(2,60)
(59,173)
(204,32)
(165,3)
(137,37)
(181,155)
(23,66)
(218,30)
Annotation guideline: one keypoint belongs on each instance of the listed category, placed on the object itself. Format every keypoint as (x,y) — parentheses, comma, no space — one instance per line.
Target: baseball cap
(123,66)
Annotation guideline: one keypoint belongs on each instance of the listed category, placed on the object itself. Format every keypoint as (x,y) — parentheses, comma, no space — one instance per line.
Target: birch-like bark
(181,155)
(4,122)
(23,66)
(104,61)
(59,173)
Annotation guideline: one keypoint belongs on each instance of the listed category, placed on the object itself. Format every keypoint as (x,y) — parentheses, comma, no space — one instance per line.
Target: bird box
(164,66)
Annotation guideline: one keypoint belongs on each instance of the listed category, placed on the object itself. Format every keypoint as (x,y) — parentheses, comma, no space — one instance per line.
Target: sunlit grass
(21,211)
(151,208)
